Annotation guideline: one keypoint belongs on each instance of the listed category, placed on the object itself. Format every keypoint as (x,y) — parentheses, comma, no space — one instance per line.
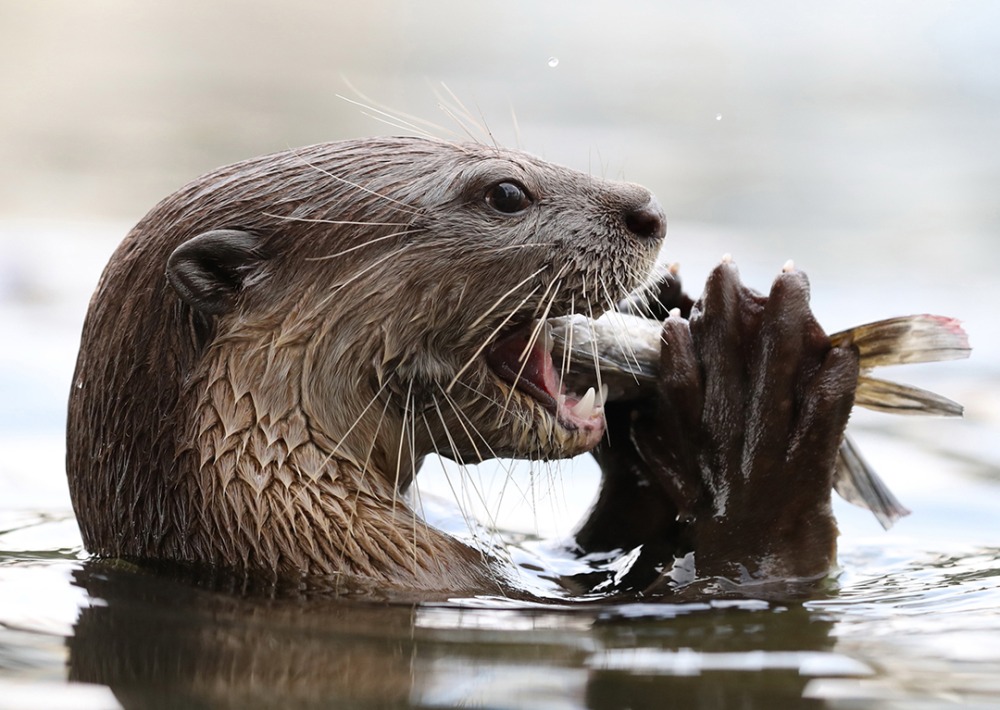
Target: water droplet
(553,62)
(718,117)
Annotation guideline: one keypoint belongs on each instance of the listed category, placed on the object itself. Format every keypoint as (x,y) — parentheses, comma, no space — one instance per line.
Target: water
(859,141)
(899,628)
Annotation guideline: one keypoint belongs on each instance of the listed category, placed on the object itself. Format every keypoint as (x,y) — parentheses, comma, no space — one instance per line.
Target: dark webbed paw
(739,442)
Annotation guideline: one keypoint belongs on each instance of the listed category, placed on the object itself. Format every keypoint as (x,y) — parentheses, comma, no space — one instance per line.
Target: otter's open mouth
(524,360)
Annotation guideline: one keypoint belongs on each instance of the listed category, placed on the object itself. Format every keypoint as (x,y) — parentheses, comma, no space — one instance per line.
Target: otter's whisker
(394,124)
(366,244)
(337,286)
(593,348)
(489,339)
(491,400)
(513,247)
(567,356)
(650,293)
(365,467)
(323,220)
(516,126)
(462,511)
(488,312)
(465,422)
(407,405)
(506,294)
(393,120)
(413,476)
(494,530)
(462,418)
(626,345)
(458,121)
(412,122)
(552,289)
(459,416)
(402,206)
(491,517)
(360,416)
(461,115)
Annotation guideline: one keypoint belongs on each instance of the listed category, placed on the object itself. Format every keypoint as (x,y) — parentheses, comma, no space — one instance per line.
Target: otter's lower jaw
(523,361)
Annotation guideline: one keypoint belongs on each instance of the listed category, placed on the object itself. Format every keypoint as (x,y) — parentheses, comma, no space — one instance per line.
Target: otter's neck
(270,493)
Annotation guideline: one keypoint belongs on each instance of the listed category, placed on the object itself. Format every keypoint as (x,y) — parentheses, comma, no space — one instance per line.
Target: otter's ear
(209,270)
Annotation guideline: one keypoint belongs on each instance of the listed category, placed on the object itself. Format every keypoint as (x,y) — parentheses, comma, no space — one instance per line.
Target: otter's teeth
(585,408)
(602,396)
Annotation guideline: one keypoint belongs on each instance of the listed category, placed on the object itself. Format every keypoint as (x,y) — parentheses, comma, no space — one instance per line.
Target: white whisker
(394,120)
(508,292)
(568,350)
(375,264)
(489,337)
(407,405)
(344,181)
(516,126)
(358,419)
(552,289)
(461,115)
(593,347)
(469,524)
(365,466)
(320,220)
(512,247)
(415,122)
(494,528)
(624,343)
(366,244)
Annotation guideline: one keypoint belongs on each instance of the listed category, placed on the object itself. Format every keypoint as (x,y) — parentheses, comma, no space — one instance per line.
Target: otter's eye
(508,197)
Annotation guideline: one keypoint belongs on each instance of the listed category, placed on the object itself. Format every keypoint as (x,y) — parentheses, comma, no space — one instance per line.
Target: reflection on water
(156,642)
(919,628)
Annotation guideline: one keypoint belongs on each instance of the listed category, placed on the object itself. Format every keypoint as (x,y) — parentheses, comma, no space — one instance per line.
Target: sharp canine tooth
(585,407)
(602,396)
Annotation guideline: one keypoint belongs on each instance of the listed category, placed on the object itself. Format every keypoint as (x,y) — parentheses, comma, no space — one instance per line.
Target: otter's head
(383,297)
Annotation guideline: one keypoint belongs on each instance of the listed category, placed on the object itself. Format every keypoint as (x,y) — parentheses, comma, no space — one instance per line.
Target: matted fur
(276,436)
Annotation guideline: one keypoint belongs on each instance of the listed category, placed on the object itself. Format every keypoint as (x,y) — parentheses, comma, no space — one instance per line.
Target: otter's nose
(648,221)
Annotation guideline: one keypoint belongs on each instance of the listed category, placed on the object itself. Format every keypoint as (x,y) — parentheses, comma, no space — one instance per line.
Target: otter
(273,350)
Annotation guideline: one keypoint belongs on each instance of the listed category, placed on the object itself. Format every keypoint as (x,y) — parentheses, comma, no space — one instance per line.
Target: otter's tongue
(530,370)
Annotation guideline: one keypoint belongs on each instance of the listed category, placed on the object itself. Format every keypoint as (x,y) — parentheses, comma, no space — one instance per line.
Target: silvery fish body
(626,348)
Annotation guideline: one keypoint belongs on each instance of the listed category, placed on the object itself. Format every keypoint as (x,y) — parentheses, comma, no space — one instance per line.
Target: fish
(626,349)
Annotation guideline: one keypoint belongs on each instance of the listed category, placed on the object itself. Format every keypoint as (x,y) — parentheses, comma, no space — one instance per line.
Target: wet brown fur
(275,435)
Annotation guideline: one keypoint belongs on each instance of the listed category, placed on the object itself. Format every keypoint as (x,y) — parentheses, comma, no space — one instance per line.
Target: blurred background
(861,140)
